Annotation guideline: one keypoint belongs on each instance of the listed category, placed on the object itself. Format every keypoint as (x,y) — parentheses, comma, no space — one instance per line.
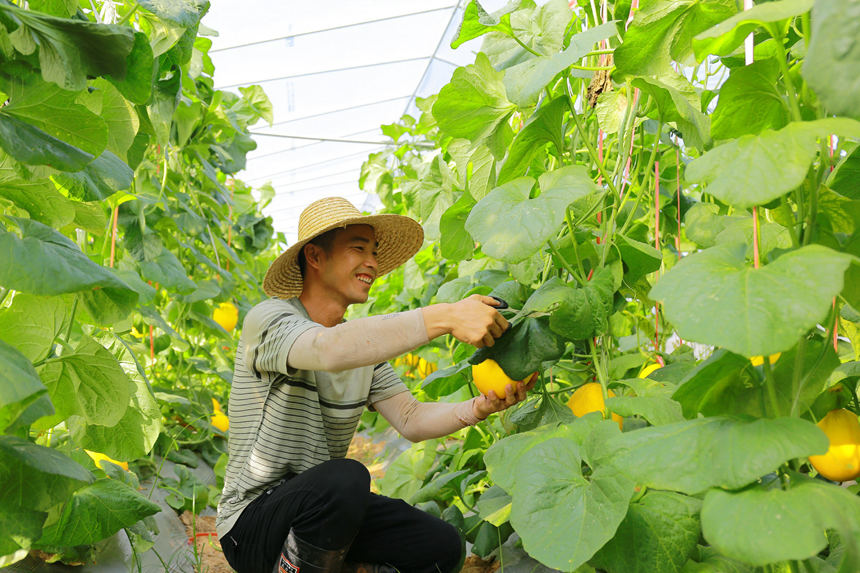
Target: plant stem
(770,383)
(4,292)
(565,264)
(591,68)
(525,47)
(71,319)
(794,107)
(591,151)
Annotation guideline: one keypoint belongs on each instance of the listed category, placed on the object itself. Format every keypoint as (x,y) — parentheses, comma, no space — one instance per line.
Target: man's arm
(371,340)
(417,421)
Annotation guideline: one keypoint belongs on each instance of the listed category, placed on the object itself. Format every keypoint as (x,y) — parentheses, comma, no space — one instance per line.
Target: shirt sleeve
(385,384)
(270,336)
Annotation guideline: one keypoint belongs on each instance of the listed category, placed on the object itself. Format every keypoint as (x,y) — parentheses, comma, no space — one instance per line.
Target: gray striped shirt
(284,420)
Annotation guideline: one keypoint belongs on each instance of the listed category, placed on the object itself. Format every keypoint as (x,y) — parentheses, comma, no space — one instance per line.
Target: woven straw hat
(399,238)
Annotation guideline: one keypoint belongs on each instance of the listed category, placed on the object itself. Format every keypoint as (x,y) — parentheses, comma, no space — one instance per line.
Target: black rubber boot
(299,556)
(366,568)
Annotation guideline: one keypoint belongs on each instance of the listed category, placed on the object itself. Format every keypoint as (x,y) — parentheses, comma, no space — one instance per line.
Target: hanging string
(657,246)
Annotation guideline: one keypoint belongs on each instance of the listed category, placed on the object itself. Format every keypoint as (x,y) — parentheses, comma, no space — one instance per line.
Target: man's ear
(313,255)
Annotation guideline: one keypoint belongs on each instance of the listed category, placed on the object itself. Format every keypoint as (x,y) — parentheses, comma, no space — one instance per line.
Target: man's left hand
(485,405)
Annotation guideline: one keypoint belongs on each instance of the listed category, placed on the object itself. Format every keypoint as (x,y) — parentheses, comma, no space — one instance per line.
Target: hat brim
(398,239)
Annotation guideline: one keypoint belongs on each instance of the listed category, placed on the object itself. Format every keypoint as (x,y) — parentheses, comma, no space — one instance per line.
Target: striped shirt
(284,420)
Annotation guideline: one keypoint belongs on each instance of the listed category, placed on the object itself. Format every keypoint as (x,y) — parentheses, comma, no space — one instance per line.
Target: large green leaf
(136,432)
(477,22)
(712,387)
(659,533)
(662,31)
(19,527)
(32,323)
(577,313)
(136,85)
(764,166)
(46,262)
(455,243)
(55,112)
(89,383)
(749,102)
(120,117)
(522,349)
(639,258)
(524,81)
(714,297)
(510,226)
(473,104)
(546,125)
(695,455)
(657,410)
(475,165)
(764,525)
(104,176)
(562,516)
(832,63)
(95,512)
(166,270)
(33,146)
(186,13)
(722,39)
(70,50)
(20,386)
(36,477)
(40,198)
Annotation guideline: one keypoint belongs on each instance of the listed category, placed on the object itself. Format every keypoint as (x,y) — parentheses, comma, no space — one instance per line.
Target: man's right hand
(473,320)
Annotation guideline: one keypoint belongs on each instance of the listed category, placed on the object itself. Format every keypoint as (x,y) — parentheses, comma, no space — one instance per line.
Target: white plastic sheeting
(334,70)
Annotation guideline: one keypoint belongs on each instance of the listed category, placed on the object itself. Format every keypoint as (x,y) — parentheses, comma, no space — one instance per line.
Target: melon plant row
(121,230)
(643,190)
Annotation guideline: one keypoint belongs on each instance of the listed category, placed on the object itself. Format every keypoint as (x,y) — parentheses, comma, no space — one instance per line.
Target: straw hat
(399,238)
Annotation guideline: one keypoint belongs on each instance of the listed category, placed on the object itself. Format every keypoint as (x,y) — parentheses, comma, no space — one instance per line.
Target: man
(303,376)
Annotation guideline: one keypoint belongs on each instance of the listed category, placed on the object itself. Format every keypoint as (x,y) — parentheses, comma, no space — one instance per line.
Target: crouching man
(303,376)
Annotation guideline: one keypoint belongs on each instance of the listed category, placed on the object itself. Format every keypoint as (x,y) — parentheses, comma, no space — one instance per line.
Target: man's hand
(473,320)
(483,406)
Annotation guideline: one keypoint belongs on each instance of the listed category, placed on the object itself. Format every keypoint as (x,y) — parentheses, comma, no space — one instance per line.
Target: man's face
(350,267)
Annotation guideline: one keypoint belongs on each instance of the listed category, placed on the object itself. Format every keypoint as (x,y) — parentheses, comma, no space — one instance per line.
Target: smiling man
(303,376)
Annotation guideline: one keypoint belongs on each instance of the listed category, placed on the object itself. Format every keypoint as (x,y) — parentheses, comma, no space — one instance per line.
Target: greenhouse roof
(334,71)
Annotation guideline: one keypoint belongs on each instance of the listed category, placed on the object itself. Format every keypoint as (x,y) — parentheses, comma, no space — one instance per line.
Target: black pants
(331,506)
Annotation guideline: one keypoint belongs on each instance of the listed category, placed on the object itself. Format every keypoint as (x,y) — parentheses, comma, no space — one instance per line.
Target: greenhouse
(453,286)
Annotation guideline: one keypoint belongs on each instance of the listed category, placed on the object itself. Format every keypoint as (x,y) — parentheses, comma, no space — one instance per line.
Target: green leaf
(32,323)
(662,31)
(763,525)
(406,473)
(749,102)
(136,432)
(136,86)
(103,177)
(20,526)
(678,102)
(522,349)
(540,412)
(562,516)
(546,125)
(639,259)
(455,243)
(43,250)
(695,455)
(166,270)
(831,65)
(477,22)
(186,13)
(659,533)
(473,104)
(576,312)
(55,112)
(657,410)
(476,165)
(725,37)
(35,147)
(41,200)
(524,81)
(20,386)
(256,99)
(718,386)
(89,383)
(528,223)
(96,512)
(120,117)
(70,50)
(753,312)
(35,477)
